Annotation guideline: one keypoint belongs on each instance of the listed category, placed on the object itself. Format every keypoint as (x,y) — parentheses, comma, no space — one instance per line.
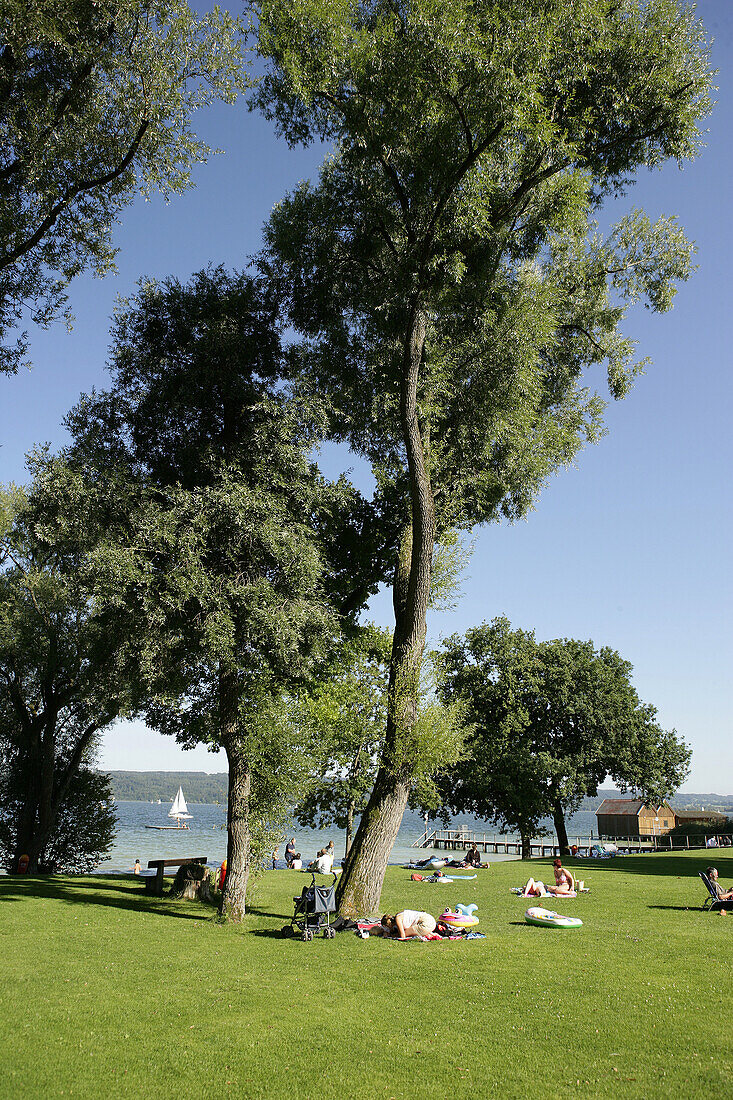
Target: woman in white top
(408,924)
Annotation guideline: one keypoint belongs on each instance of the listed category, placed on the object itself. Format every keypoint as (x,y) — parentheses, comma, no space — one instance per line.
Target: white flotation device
(545,918)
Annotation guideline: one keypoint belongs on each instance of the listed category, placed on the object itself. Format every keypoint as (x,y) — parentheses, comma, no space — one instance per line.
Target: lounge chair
(712,901)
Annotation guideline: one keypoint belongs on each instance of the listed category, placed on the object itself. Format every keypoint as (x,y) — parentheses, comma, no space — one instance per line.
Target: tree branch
(71,194)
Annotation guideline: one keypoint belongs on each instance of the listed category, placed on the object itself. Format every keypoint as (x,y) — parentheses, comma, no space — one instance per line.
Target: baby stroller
(312,909)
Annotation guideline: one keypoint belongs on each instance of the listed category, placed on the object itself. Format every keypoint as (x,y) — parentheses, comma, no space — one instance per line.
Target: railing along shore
(457,839)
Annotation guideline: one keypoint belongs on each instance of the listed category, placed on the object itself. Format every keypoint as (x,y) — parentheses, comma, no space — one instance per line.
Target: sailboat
(179,810)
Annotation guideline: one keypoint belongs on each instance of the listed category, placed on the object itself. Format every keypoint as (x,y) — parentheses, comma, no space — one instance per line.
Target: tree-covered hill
(150,786)
(212,787)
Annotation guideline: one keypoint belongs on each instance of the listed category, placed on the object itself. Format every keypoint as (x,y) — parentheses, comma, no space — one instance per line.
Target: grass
(107,992)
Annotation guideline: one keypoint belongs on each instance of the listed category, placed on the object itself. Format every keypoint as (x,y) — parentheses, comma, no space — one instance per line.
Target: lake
(206,835)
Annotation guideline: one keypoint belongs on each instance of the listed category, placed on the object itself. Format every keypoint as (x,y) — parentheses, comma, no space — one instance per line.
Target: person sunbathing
(564,881)
(723,895)
(535,889)
(408,924)
(564,884)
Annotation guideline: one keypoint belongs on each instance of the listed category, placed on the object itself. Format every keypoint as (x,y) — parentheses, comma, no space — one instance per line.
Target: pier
(452,840)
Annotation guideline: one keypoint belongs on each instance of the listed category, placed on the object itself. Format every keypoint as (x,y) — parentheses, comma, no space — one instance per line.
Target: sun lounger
(712,901)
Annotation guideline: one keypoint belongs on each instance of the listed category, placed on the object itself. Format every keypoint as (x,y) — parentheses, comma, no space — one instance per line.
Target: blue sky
(630,548)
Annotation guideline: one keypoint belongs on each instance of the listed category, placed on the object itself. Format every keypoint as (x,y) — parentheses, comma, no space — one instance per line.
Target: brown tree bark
(562,834)
(238,835)
(234,895)
(349,829)
(360,886)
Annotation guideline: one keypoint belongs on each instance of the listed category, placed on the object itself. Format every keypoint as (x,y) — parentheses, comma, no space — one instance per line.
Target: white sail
(179,807)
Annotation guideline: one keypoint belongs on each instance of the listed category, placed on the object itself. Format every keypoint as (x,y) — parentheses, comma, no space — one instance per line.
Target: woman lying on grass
(408,924)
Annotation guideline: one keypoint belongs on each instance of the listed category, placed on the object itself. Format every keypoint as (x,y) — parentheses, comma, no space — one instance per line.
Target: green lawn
(107,992)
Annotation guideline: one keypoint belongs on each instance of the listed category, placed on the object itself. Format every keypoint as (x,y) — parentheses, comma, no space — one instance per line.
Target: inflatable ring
(460,917)
(545,918)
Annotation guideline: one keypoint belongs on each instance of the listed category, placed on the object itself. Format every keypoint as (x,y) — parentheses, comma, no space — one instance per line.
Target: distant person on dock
(723,895)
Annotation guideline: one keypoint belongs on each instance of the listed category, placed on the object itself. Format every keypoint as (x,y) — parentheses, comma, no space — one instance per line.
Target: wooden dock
(453,840)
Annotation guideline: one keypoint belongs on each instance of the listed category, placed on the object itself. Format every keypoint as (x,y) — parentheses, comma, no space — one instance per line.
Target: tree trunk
(238,839)
(526,846)
(349,829)
(47,808)
(238,836)
(28,814)
(360,886)
(562,834)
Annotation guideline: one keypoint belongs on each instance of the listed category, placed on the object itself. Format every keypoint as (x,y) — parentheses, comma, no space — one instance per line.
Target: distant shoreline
(212,787)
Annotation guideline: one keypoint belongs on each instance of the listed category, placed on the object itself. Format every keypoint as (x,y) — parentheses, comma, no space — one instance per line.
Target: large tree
(551,720)
(62,676)
(446,271)
(96,101)
(218,549)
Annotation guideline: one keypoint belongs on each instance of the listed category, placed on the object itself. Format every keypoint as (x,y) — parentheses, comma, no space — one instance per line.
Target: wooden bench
(154,883)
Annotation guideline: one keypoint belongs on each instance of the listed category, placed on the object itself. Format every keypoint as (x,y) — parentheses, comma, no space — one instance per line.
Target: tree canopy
(216,548)
(446,272)
(96,102)
(62,677)
(551,720)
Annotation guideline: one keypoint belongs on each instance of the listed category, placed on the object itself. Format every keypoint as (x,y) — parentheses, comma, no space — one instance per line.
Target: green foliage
(552,720)
(430,736)
(213,550)
(62,674)
(211,541)
(345,714)
(96,102)
(473,143)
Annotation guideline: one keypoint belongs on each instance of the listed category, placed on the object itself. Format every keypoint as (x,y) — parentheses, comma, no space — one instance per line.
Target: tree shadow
(94,890)
(272,934)
(255,910)
(663,864)
(683,908)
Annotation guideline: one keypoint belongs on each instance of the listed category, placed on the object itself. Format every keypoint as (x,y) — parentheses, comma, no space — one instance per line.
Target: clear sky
(630,548)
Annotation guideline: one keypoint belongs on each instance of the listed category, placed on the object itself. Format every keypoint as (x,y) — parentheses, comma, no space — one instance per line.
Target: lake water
(206,835)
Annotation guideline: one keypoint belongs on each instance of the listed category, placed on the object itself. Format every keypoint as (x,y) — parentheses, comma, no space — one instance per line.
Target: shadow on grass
(256,911)
(682,908)
(91,890)
(663,864)
(271,934)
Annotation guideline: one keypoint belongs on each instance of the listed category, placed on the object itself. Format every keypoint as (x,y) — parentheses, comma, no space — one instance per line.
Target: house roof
(620,806)
(700,815)
(627,807)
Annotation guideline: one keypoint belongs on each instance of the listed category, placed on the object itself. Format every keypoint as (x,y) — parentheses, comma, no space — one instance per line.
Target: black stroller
(312,910)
